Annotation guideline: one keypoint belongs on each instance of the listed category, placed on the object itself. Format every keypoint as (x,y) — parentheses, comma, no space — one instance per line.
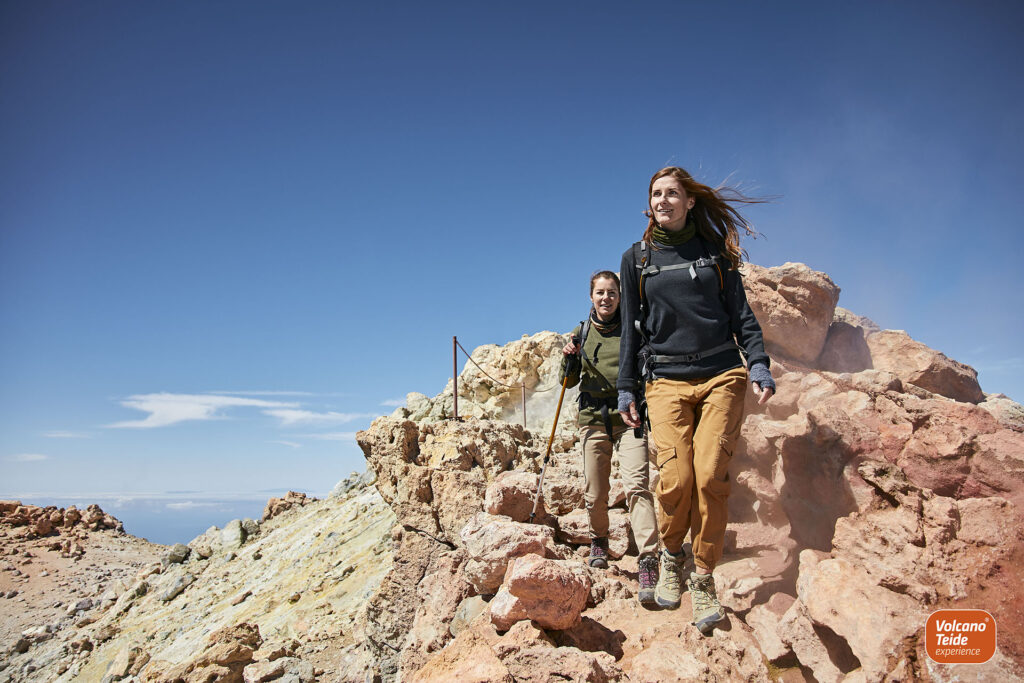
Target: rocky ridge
(880,484)
(253,601)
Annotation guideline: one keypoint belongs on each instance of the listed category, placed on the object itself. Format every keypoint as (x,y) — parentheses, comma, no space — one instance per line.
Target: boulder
(275,506)
(491,542)
(563,489)
(175,555)
(233,535)
(551,593)
(913,362)
(206,544)
(794,306)
(511,494)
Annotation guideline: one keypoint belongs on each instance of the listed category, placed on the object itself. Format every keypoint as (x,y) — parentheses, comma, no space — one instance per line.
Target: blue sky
(232,232)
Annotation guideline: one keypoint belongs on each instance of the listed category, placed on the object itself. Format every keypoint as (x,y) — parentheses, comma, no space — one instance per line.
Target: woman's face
(670,203)
(605,297)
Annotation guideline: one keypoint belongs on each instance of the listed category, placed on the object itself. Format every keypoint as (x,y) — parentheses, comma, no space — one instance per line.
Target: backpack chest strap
(692,266)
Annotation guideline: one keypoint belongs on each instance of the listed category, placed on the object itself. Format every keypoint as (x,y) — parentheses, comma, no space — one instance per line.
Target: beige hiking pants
(633,468)
(695,425)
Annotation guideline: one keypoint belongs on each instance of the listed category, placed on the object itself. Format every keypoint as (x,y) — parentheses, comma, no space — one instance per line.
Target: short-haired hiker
(686,322)
(601,427)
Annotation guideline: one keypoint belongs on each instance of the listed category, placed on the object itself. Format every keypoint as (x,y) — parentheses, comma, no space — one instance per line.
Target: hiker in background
(685,322)
(596,341)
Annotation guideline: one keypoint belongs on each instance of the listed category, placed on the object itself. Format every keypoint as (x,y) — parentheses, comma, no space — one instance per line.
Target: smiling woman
(601,428)
(690,336)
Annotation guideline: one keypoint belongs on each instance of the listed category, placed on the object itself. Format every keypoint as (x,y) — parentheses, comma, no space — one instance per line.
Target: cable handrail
(456,346)
(510,386)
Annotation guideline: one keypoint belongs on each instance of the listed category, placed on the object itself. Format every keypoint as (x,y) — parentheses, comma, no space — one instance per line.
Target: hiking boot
(648,578)
(668,590)
(598,553)
(707,611)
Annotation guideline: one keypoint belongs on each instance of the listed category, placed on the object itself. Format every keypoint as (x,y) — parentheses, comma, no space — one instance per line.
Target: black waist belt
(692,357)
(588,400)
(604,405)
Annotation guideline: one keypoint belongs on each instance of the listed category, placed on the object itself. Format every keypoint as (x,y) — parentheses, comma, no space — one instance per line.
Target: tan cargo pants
(633,469)
(695,425)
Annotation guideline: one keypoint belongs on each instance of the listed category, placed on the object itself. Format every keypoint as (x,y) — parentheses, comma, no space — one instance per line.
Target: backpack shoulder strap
(640,259)
(584,330)
(640,256)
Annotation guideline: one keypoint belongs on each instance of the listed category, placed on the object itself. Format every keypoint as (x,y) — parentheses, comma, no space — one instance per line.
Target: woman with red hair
(690,337)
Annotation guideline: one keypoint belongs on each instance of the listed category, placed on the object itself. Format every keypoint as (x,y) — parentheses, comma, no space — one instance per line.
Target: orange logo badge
(960,636)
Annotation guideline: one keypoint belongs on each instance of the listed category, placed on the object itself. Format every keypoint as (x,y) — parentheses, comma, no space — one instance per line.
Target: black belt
(650,361)
(602,404)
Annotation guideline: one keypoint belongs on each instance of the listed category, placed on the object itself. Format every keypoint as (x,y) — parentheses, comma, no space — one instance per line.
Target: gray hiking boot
(707,611)
(648,576)
(668,591)
(598,553)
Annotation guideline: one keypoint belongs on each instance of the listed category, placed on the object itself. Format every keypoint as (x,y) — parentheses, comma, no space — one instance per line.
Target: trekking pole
(547,455)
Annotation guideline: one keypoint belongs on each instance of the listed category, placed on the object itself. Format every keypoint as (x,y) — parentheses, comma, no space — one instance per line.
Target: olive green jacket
(600,372)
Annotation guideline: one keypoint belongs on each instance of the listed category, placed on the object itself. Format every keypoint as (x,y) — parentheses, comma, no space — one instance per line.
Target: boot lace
(670,574)
(648,569)
(702,592)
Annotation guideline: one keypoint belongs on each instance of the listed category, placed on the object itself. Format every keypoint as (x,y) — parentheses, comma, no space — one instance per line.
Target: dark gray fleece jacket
(686,315)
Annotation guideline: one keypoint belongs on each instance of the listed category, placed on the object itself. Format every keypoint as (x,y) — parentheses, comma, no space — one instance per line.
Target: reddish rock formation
(794,305)
(276,506)
(45,521)
(550,593)
(861,493)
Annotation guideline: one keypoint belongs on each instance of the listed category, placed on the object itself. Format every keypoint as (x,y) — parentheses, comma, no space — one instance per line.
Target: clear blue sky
(230,232)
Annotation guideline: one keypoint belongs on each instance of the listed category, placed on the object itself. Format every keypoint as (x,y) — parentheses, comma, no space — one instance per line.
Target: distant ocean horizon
(170,517)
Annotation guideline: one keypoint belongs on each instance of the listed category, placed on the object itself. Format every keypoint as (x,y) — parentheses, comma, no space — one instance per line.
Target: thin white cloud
(262,393)
(278,392)
(166,409)
(393,402)
(60,434)
(332,436)
(292,416)
(28,457)
(189,505)
(290,444)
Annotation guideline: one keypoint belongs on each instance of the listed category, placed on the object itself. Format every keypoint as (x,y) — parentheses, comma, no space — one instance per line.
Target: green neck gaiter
(677,237)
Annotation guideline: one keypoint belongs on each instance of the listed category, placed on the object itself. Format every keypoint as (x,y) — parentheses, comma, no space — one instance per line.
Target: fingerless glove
(759,375)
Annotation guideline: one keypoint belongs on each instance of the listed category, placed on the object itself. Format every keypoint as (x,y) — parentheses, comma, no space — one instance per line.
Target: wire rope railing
(456,347)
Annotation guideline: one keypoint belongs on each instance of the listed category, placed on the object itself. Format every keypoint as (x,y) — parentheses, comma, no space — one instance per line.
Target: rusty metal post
(524,404)
(455,374)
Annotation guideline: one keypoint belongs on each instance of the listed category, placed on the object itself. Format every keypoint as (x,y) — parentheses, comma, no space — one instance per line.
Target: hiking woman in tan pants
(687,328)
(596,341)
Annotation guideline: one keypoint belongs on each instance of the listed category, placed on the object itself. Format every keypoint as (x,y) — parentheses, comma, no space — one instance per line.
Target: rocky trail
(879,485)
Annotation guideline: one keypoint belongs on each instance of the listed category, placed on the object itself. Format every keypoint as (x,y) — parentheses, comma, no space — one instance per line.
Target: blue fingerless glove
(627,397)
(759,375)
